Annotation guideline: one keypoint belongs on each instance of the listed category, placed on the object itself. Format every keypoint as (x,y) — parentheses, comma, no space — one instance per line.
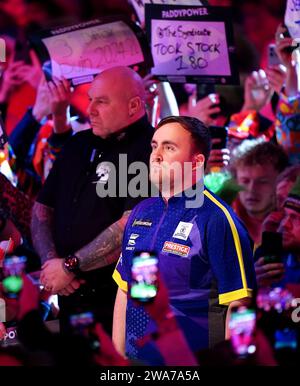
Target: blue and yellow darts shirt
(205,258)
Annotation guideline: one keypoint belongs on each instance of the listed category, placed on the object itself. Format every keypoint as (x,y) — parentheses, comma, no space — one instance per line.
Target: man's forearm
(105,248)
(60,123)
(41,230)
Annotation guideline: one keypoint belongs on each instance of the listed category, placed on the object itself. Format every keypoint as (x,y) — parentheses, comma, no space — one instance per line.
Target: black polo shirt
(70,189)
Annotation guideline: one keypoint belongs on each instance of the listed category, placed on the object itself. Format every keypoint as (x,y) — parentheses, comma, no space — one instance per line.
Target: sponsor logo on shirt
(183,230)
(142,223)
(132,239)
(176,249)
(131,242)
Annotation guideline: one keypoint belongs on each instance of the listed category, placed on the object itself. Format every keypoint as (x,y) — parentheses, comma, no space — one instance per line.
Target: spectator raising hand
(12,77)
(150,85)
(59,101)
(204,109)
(268,273)
(41,106)
(290,59)
(17,73)
(283,45)
(218,158)
(276,76)
(258,91)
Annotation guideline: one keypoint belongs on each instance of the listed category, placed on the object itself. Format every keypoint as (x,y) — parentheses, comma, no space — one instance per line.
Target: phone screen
(81,320)
(144,276)
(242,325)
(286,339)
(220,133)
(83,324)
(13,268)
(271,247)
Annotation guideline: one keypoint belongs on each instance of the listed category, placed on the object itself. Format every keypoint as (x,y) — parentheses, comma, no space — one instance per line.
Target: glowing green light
(13,283)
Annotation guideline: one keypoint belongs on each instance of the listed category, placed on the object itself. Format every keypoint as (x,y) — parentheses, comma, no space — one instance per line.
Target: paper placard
(192,42)
(81,51)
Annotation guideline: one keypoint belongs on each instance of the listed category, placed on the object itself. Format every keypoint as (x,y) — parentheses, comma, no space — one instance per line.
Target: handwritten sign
(189,44)
(79,52)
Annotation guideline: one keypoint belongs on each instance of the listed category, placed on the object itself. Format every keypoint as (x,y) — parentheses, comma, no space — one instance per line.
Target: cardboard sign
(79,52)
(3,136)
(139,5)
(192,44)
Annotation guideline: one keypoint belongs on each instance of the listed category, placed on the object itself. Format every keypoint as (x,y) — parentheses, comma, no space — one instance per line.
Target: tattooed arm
(41,231)
(104,249)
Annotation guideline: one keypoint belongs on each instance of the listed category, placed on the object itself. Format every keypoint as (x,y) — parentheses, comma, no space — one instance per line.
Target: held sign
(191,43)
(79,52)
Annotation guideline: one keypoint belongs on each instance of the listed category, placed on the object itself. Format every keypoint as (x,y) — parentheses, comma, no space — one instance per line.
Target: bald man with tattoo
(76,231)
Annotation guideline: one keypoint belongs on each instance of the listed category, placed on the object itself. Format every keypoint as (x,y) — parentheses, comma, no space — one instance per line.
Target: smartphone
(273,59)
(203,90)
(83,324)
(271,247)
(144,276)
(286,338)
(22,50)
(219,132)
(13,268)
(242,326)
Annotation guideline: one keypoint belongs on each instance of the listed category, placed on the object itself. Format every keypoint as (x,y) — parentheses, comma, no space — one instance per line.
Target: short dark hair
(200,133)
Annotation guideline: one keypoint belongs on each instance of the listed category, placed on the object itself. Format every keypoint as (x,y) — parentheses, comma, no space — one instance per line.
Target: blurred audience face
(282,190)
(259,182)
(115,101)
(290,228)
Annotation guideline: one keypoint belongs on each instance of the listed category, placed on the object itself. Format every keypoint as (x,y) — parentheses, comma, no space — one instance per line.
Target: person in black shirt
(77,233)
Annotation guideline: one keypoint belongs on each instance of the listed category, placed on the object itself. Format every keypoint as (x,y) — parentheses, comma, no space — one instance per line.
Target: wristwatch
(71,264)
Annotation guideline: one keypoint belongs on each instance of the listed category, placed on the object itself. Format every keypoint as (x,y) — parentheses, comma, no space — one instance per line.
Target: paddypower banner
(139,5)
